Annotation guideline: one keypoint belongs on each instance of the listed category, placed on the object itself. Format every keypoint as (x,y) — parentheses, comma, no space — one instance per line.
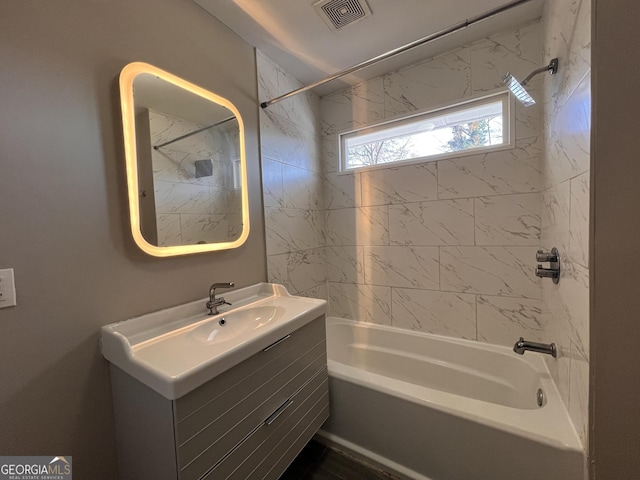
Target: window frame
(508,132)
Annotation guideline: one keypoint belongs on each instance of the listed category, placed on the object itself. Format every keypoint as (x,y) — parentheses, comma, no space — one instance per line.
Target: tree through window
(470,126)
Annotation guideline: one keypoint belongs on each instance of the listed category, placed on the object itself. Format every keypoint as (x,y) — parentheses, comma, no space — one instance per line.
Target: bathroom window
(465,128)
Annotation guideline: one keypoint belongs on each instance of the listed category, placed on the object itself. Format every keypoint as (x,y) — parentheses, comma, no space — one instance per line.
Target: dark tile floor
(317,462)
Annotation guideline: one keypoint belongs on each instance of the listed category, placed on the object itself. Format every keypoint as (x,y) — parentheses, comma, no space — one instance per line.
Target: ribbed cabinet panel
(267,446)
(219,436)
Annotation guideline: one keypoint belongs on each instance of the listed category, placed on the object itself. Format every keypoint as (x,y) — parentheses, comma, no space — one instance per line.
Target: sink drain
(540,397)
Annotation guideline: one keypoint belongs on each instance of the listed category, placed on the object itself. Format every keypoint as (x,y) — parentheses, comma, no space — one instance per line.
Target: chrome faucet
(214,302)
(523,345)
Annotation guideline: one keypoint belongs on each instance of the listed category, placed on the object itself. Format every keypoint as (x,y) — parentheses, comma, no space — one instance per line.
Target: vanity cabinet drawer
(213,419)
(277,440)
(208,446)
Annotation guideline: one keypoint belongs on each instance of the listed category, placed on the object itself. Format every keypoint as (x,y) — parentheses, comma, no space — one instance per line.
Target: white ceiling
(291,33)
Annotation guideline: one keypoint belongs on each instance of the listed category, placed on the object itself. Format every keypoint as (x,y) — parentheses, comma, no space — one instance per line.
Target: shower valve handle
(542,256)
(553,258)
(547,272)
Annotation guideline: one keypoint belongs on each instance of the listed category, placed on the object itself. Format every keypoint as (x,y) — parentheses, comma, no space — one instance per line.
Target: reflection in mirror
(196,184)
(188,172)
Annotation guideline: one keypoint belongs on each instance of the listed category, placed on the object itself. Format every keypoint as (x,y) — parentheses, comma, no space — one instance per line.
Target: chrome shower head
(517,88)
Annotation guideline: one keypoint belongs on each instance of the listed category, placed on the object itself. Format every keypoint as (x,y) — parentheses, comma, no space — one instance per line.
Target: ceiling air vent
(339,13)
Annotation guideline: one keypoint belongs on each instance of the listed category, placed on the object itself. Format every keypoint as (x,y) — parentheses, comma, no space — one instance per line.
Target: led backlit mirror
(186,165)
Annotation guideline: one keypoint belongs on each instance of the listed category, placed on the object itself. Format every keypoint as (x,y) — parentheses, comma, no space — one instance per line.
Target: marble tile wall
(190,209)
(292,184)
(446,247)
(565,198)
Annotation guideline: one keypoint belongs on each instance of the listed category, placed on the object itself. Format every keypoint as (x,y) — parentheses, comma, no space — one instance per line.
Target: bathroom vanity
(236,395)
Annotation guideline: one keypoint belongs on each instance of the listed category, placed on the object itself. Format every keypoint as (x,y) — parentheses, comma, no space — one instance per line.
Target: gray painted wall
(615,257)
(63,210)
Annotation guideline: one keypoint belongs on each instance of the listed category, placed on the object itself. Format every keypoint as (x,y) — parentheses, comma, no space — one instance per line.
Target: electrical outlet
(7,288)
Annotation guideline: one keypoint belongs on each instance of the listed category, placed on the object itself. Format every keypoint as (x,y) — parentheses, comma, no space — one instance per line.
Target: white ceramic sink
(230,326)
(176,350)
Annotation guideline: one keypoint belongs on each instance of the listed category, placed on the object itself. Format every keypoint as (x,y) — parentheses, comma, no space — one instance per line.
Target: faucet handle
(213,304)
(547,272)
(542,256)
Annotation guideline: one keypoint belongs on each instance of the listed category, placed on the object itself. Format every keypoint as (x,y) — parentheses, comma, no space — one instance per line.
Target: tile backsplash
(409,245)
(439,244)
(565,211)
(292,184)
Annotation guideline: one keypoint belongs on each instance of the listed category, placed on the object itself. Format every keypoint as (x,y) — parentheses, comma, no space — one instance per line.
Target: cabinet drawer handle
(274,416)
(276,343)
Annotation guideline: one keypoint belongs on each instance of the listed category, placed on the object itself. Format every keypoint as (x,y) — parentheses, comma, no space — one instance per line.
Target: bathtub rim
(550,425)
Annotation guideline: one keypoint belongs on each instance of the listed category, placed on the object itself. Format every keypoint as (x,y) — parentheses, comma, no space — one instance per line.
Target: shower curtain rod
(186,135)
(417,43)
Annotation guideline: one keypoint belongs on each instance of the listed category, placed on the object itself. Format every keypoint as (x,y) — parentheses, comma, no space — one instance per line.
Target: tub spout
(523,345)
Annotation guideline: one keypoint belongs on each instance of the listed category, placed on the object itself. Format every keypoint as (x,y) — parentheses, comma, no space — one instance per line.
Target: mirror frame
(127,77)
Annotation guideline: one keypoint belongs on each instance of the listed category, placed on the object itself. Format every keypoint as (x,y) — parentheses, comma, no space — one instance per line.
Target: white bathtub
(431,407)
